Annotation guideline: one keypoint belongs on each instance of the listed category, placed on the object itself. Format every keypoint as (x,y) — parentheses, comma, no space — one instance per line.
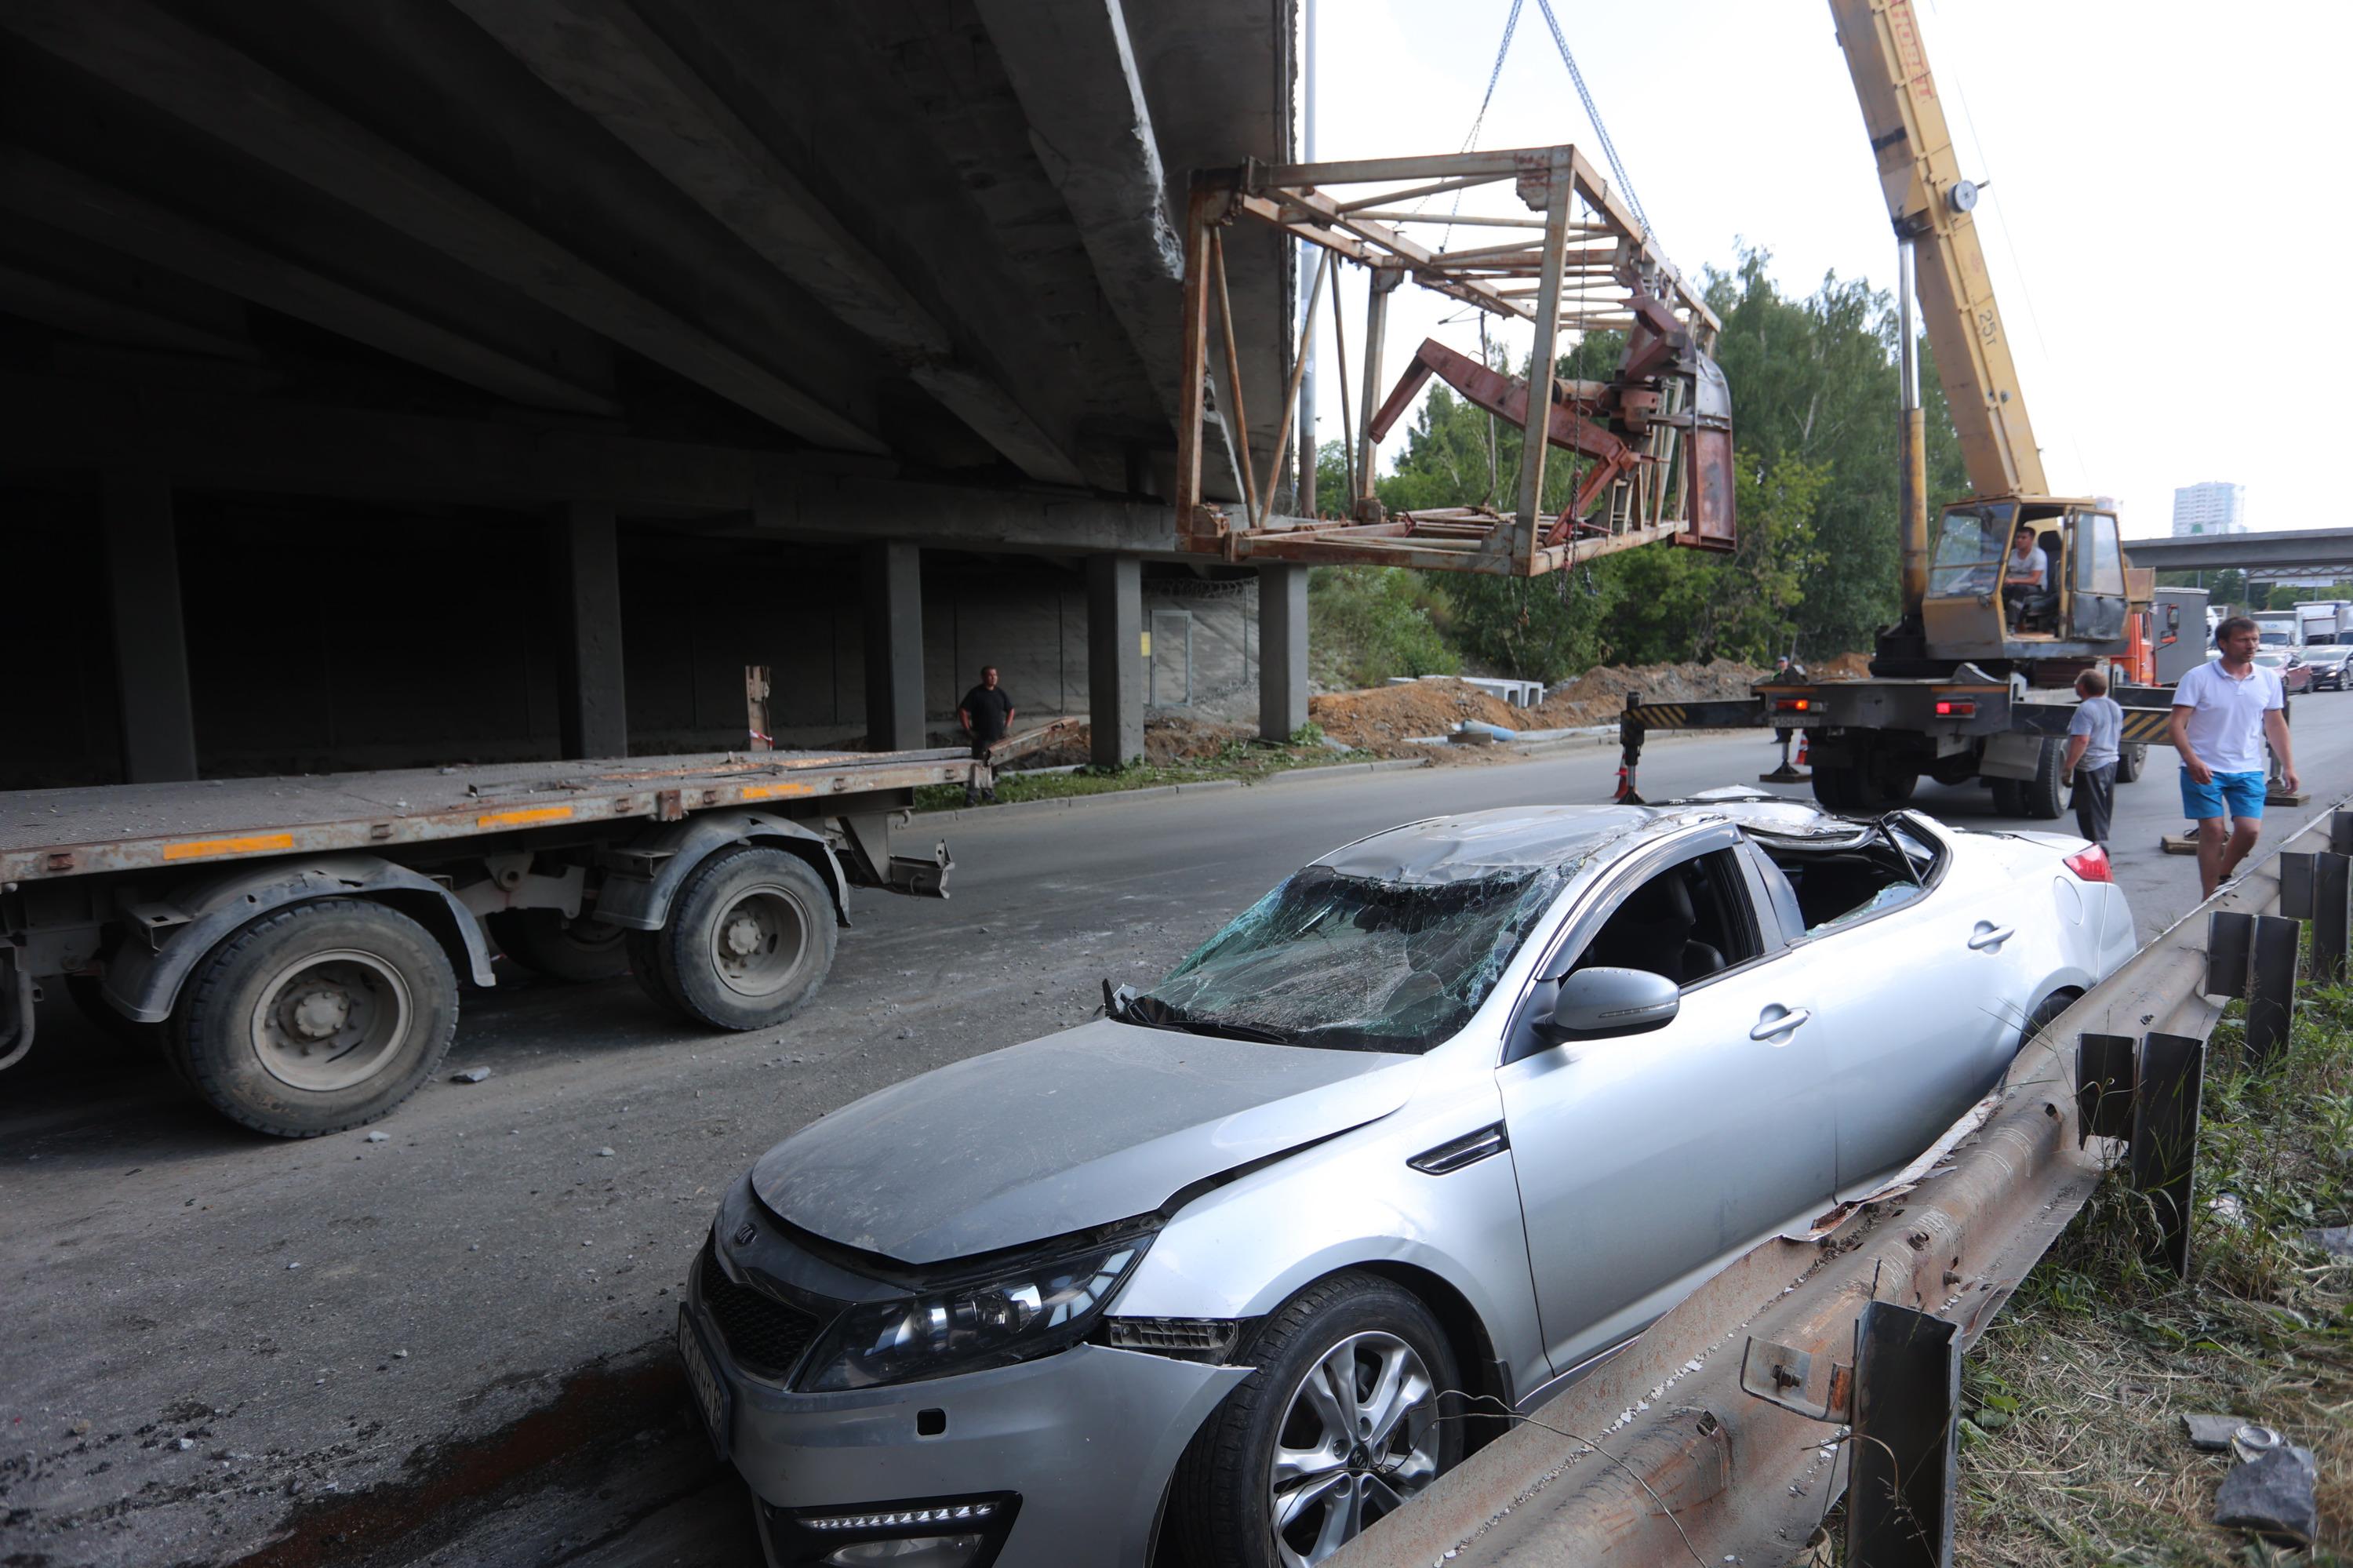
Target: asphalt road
(448,1345)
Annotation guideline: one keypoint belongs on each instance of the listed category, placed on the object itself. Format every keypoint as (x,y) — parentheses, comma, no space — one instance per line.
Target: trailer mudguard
(641,879)
(142,981)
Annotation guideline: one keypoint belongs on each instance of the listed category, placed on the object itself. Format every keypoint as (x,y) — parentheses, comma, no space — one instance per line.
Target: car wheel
(1339,1428)
(545,942)
(315,1018)
(2046,1011)
(2130,760)
(749,940)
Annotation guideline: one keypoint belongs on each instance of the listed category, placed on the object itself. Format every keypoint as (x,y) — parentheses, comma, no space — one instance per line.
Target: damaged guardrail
(1831,1364)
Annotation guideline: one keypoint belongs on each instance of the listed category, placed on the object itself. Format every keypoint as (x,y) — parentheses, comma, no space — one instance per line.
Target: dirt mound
(1599,695)
(1165,741)
(1845,667)
(1383,716)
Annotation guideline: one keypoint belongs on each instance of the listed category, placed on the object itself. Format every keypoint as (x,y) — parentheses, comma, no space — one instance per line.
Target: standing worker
(2222,712)
(986,713)
(2093,737)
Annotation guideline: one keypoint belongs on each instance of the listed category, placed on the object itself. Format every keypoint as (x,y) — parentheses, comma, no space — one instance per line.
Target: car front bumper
(1075,1447)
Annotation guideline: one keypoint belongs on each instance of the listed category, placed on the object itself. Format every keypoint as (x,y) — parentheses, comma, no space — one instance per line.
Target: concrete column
(591,701)
(1115,658)
(1281,650)
(891,582)
(150,643)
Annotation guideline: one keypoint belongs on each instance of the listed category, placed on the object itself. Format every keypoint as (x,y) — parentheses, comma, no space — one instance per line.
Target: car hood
(1099,1123)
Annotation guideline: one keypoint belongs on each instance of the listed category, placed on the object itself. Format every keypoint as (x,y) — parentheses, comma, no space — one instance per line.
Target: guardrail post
(2230,945)
(2296,884)
(2271,987)
(2104,1075)
(2332,909)
(1903,1456)
(2340,832)
(2164,1157)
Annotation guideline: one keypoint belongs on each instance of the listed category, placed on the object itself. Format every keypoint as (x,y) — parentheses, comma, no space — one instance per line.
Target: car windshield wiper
(1130,1007)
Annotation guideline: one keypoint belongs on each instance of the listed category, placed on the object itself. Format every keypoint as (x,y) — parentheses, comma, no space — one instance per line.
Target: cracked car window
(1357,962)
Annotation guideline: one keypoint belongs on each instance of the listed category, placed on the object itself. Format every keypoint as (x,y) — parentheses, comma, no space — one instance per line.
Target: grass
(2073,1449)
(1244,761)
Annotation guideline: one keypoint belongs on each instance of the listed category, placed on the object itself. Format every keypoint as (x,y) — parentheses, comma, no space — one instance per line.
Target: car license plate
(711,1396)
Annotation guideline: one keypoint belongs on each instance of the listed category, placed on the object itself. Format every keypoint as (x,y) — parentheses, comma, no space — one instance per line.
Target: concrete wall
(324,638)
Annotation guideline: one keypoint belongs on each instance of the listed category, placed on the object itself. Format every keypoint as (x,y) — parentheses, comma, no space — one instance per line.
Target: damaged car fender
(1431,1188)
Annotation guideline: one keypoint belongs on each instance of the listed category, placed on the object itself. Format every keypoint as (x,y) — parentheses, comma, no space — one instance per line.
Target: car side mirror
(1598,1004)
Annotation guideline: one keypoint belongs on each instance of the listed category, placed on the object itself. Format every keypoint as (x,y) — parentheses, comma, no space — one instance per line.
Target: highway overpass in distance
(2276,550)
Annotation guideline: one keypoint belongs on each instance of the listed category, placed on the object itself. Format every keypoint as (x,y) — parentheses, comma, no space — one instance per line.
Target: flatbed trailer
(294,946)
(1870,741)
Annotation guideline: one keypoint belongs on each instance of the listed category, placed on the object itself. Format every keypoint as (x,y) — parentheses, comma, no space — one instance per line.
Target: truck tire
(546,943)
(1834,787)
(1865,787)
(2043,798)
(315,1017)
(749,940)
(2008,797)
(2130,760)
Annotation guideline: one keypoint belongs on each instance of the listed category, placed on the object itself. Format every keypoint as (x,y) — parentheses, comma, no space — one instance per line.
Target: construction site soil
(1385,720)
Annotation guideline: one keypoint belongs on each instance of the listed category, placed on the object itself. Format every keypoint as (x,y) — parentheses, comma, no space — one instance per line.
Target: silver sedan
(1229,1274)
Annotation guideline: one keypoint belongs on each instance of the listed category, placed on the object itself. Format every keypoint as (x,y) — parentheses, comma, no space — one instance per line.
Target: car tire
(315,1018)
(748,940)
(1222,1503)
(2045,1013)
(2130,760)
(546,943)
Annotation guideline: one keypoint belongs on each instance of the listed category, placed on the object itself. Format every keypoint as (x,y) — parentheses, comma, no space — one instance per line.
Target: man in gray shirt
(2091,748)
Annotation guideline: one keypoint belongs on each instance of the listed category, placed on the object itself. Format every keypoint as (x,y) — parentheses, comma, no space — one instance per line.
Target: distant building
(2213,507)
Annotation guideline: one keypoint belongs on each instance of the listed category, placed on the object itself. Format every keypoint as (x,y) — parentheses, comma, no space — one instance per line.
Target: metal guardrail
(1704,1439)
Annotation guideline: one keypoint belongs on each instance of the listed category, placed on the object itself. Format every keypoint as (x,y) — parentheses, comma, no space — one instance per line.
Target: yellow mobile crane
(1975,678)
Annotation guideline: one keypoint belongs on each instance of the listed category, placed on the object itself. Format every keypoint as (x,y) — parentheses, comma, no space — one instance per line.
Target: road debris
(379,1137)
(603,1154)
(2272,1494)
(469,1076)
(2212,1433)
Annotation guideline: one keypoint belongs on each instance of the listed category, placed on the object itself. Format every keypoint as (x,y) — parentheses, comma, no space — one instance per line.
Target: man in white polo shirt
(2223,712)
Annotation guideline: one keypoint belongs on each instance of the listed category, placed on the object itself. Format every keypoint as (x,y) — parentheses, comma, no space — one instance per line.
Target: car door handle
(1988,937)
(1782,1024)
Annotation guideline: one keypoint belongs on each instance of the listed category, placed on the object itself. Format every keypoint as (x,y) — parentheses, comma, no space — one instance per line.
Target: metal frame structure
(1659,436)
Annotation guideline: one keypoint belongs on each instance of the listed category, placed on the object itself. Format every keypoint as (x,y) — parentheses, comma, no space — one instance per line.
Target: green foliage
(1373,623)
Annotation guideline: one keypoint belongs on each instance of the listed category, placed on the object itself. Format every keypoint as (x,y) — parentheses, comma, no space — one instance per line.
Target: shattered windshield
(1357,962)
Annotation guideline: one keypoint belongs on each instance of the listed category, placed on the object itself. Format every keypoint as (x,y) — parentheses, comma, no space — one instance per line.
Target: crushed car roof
(1474,844)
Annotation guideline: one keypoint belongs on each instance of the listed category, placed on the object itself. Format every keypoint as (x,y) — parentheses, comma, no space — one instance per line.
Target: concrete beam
(36,187)
(1116,659)
(151,645)
(593,705)
(1073,67)
(62,427)
(890,585)
(602,57)
(83,313)
(224,93)
(2271,549)
(1281,650)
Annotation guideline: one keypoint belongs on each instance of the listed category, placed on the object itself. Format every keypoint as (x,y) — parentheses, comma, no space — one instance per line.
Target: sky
(2157,209)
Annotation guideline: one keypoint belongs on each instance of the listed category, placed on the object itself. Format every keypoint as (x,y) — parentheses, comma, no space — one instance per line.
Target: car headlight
(1030,1309)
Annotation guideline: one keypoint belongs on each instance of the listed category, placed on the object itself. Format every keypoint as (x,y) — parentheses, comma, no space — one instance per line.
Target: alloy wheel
(1358,1440)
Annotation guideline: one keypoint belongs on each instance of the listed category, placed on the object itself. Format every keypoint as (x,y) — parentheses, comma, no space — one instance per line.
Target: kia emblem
(745,1232)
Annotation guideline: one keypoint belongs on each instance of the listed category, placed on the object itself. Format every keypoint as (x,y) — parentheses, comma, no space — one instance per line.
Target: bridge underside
(838,272)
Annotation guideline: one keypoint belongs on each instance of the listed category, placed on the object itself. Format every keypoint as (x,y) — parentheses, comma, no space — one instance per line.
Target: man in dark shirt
(986,713)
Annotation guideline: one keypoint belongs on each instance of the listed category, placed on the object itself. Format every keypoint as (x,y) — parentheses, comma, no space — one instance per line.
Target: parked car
(1446,1115)
(2327,666)
(2296,672)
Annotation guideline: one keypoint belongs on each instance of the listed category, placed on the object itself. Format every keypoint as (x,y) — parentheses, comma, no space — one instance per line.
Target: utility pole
(1305,504)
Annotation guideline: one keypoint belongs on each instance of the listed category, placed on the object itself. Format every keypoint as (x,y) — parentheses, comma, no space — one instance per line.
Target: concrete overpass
(490,324)
(2275,550)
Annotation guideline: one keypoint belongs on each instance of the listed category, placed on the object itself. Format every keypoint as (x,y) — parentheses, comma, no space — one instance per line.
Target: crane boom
(1930,204)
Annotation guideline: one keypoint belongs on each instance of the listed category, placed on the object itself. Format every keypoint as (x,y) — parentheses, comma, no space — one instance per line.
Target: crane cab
(1981,604)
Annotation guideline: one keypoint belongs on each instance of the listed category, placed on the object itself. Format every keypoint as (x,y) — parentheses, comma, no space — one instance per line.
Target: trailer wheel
(315,1017)
(545,942)
(2130,760)
(749,938)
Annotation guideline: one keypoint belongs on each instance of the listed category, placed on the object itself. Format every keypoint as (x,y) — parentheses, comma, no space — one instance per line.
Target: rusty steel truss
(1656,440)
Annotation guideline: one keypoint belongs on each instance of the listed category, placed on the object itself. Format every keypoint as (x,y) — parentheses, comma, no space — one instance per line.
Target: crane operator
(2025,577)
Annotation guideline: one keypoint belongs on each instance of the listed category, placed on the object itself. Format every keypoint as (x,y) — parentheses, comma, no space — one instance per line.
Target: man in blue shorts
(2223,712)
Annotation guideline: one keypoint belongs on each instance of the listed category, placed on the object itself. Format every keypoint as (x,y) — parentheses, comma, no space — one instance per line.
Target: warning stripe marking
(254,845)
(529,814)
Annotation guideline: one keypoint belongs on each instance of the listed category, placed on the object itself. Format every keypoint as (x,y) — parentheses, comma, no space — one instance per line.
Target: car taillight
(2092,865)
